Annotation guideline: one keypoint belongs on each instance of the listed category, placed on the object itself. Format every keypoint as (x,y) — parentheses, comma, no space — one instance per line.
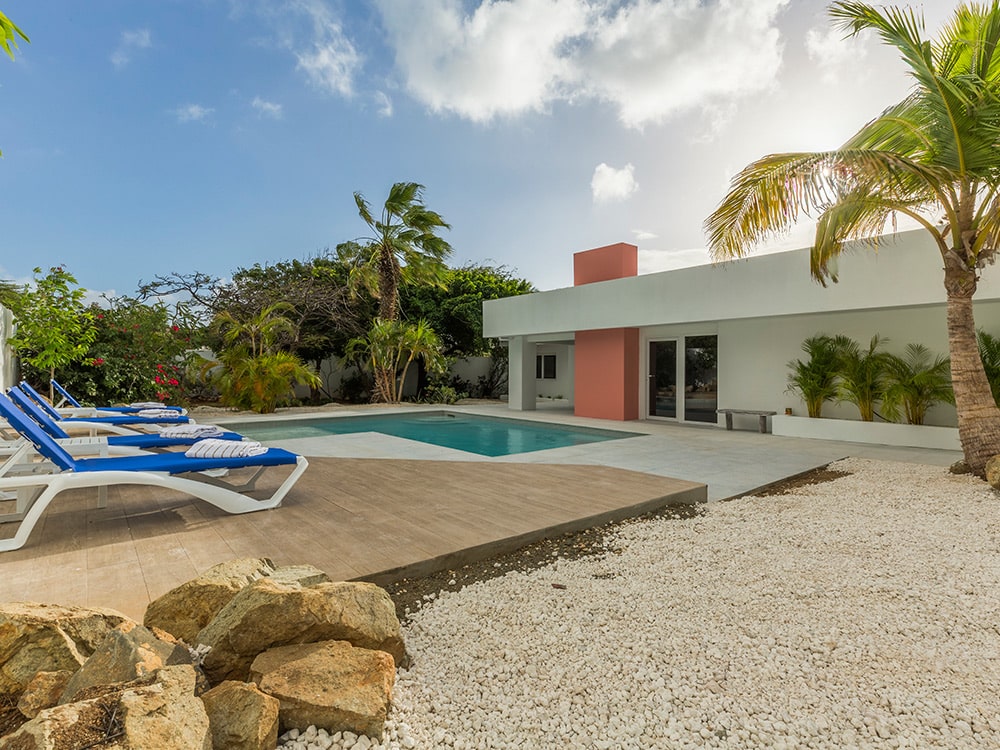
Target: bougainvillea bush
(139,354)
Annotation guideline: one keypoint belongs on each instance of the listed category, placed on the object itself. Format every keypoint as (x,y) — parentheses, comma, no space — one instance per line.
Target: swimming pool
(487,436)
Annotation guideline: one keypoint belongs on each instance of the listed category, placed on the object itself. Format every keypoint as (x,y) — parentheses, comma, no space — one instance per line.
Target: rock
(241,717)
(304,575)
(48,638)
(161,715)
(993,472)
(269,613)
(330,684)
(960,467)
(128,652)
(43,692)
(185,610)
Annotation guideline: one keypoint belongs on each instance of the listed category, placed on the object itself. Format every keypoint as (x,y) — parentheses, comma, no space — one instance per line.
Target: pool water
(486,436)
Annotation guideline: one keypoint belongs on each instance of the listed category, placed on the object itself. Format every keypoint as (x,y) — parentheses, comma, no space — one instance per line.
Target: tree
(455,311)
(402,247)
(389,348)
(862,374)
(53,326)
(9,32)
(933,157)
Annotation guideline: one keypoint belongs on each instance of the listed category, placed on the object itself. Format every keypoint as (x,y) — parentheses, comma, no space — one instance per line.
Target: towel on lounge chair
(147,405)
(213,448)
(157,413)
(192,431)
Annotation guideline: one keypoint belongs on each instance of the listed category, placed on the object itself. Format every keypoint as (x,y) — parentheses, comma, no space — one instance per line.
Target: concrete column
(520,374)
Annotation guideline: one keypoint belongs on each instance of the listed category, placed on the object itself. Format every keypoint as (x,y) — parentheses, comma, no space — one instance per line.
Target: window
(545,367)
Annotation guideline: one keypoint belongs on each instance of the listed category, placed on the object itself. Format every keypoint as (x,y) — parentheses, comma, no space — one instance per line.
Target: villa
(678,345)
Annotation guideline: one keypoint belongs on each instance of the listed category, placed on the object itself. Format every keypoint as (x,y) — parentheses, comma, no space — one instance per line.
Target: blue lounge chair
(139,440)
(61,471)
(67,398)
(120,419)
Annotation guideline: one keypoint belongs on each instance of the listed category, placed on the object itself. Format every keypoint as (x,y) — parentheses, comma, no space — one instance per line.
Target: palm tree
(403,247)
(862,374)
(934,157)
(815,379)
(916,382)
(989,352)
(390,347)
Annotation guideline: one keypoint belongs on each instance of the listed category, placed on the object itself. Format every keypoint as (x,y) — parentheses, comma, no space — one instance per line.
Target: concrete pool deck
(370,505)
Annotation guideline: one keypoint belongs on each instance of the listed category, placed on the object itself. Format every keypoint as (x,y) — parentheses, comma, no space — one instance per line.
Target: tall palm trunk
(978,415)
(388,303)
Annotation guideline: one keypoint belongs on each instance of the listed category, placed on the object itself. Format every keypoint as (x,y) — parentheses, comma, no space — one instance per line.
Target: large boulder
(128,652)
(48,638)
(162,714)
(993,472)
(185,610)
(330,684)
(270,613)
(241,717)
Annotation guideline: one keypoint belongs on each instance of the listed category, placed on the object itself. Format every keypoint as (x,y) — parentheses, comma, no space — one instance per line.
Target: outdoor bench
(762,415)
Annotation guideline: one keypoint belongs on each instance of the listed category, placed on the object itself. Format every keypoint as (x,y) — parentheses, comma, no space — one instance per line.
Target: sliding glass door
(701,378)
(663,379)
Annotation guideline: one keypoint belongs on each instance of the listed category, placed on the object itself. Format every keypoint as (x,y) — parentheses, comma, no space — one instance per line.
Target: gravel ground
(861,612)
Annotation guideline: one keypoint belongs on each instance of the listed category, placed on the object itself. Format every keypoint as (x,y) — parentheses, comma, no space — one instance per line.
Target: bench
(762,415)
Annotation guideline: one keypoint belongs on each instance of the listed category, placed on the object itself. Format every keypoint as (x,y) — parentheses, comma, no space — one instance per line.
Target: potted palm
(815,378)
(862,372)
(915,382)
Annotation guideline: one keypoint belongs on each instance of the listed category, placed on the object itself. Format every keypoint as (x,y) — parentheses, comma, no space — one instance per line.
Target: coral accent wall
(606,372)
(605,263)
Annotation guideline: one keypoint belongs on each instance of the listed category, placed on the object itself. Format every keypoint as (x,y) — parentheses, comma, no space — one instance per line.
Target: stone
(187,609)
(993,472)
(960,467)
(330,684)
(43,692)
(163,714)
(241,717)
(128,652)
(48,638)
(269,613)
(304,575)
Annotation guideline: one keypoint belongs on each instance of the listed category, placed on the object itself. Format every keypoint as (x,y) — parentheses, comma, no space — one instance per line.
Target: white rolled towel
(158,413)
(214,448)
(147,404)
(191,431)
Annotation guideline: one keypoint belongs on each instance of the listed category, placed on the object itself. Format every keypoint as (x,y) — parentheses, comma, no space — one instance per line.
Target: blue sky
(143,137)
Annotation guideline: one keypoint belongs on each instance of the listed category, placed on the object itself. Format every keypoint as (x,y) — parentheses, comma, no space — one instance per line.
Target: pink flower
(174,381)
(98,361)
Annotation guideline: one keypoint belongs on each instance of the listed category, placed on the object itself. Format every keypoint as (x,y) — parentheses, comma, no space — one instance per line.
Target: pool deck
(377,507)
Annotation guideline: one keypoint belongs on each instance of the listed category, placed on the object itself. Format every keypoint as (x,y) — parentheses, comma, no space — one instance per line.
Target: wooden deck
(353,518)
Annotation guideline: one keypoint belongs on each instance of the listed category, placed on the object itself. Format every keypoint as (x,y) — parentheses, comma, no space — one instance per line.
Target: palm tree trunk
(388,287)
(978,415)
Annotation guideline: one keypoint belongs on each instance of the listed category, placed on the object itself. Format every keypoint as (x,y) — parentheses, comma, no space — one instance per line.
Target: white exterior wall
(762,309)
(562,385)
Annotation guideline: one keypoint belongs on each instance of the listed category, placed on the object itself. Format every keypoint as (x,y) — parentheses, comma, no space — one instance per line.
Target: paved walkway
(416,505)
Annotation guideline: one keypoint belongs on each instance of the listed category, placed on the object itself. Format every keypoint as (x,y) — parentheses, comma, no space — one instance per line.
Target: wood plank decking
(353,518)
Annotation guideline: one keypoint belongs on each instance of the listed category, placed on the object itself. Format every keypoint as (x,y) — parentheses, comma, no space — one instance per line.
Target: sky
(145,137)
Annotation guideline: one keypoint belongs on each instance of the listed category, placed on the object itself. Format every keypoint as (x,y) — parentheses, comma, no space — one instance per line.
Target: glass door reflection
(701,378)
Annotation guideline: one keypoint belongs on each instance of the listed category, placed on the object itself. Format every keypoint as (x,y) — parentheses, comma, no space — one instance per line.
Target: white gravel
(858,613)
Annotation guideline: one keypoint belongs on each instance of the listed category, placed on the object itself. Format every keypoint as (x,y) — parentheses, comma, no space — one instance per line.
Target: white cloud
(835,55)
(610,185)
(384,104)
(641,235)
(650,59)
(328,58)
(193,113)
(130,42)
(266,108)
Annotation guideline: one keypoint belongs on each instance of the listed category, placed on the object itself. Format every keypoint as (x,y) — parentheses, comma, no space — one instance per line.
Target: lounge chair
(90,421)
(138,441)
(67,398)
(61,471)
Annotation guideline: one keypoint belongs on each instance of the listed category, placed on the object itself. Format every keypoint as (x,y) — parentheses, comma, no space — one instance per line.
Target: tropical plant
(9,32)
(389,348)
(916,382)
(989,352)
(402,247)
(861,374)
(252,371)
(933,157)
(815,379)
(53,326)
(259,382)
